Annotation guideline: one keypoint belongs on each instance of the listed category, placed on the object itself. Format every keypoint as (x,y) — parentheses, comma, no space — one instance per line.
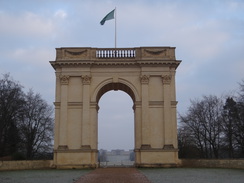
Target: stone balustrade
(138,53)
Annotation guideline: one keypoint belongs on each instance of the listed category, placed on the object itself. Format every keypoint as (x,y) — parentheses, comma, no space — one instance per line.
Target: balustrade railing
(116,53)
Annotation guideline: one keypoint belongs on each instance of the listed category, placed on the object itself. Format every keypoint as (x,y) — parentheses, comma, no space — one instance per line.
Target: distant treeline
(213,127)
(26,123)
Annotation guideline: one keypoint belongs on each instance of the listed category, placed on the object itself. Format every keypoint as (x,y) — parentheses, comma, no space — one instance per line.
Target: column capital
(64,79)
(166,79)
(86,80)
(144,79)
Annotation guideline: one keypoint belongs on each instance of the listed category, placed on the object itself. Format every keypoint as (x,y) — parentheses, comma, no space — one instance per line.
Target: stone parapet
(114,56)
(212,163)
(26,165)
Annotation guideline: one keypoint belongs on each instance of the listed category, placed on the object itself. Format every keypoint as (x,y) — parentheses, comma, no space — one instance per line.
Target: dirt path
(112,175)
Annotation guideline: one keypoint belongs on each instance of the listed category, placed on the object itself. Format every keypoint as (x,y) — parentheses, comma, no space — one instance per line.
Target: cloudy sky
(208,36)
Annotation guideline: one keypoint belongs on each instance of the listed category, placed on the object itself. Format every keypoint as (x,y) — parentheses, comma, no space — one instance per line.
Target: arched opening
(116,140)
(116,87)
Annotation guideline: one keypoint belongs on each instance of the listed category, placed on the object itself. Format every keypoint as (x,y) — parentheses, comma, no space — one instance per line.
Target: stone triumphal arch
(146,74)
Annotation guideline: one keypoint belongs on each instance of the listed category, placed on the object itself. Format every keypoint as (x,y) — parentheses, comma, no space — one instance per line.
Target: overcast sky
(208,36)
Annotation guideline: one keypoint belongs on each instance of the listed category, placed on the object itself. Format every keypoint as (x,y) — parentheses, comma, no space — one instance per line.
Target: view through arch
(116,129)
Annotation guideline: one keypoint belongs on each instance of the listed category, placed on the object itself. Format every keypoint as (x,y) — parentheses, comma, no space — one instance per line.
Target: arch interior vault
(84,74)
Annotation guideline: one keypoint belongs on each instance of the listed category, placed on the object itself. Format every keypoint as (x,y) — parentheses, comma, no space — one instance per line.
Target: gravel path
(41,176)
(194,175)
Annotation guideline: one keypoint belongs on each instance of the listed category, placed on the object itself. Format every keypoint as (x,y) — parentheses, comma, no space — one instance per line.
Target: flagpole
(115,34)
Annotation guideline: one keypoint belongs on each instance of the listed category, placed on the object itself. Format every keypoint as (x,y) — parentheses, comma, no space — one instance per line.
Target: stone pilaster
(138,124)
(168,136)
(64,81)
(93,125)
(145,110)
(85,135)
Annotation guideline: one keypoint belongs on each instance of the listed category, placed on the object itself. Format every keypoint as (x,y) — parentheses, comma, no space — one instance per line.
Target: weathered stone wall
(212,163)
(25,165)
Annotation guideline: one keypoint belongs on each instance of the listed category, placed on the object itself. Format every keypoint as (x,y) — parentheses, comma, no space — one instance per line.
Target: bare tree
(26,121)
(203,122)
(187,143)
(11,106)
(241,92)
(230,121)
(239,132)
(36,125)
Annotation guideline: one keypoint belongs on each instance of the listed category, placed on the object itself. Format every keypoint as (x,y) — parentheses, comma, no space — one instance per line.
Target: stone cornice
(66,150)
(157,150)
(58,64)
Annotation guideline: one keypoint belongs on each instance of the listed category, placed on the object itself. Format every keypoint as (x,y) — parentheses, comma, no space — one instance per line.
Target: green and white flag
(109,16)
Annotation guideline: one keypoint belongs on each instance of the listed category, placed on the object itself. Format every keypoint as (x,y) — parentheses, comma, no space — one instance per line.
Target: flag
(109,16)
